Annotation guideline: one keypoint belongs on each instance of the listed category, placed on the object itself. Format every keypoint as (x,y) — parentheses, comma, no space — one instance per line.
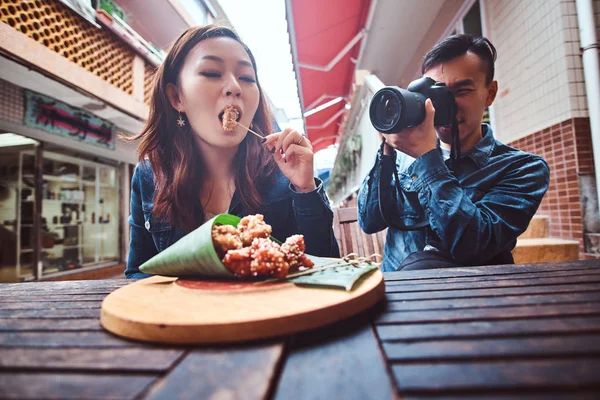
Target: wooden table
(530,331)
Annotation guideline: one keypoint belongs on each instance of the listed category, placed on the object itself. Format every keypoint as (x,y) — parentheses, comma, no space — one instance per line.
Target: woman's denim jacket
(287,211)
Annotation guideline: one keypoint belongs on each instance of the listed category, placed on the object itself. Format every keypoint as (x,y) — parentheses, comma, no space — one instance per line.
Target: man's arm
(475,232)
(382,175)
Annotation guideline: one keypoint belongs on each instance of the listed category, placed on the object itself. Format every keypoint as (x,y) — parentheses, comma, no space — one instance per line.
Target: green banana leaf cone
(194,256)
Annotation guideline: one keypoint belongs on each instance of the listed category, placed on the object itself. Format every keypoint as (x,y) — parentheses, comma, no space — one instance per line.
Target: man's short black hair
(457,45)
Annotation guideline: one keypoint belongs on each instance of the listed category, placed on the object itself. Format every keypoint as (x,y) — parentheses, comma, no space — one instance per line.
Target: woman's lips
(239,113)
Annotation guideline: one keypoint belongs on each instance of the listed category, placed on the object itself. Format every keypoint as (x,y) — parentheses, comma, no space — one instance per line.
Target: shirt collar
(481,152)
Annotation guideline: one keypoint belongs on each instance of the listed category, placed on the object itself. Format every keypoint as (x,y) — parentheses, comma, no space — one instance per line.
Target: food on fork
(230,116)
(247,251)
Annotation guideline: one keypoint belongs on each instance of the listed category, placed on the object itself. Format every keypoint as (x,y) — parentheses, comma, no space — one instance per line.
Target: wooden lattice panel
(62,30)
(11,102)
(148,82)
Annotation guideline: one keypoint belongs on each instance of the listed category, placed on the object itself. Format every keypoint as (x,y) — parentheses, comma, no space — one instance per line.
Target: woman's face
(217,72)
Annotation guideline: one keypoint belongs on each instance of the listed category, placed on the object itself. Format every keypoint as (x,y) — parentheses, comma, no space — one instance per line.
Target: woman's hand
(294,155)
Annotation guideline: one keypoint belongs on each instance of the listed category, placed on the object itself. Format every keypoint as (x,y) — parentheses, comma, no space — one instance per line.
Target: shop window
(79,213)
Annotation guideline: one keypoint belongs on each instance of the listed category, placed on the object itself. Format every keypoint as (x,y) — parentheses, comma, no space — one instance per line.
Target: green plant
(111,8)
(346,162)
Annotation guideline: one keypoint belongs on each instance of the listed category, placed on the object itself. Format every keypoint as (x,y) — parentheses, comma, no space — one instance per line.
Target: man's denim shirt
(476,211)
(287,211)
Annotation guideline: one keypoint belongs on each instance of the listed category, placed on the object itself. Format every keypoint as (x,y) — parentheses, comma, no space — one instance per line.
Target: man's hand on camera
(414,141)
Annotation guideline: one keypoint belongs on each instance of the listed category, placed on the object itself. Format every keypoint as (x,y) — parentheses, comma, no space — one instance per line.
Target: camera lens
(388,109)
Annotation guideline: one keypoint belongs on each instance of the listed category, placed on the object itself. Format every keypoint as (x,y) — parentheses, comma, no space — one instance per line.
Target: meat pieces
(253,226)
(230,116)
(247,251)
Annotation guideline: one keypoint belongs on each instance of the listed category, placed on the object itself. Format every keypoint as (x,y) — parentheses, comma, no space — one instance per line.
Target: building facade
(74,76)
(541,107)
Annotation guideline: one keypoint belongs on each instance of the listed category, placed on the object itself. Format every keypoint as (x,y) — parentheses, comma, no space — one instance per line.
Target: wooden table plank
(539,394)
(486,329)
(57,287)
(497,375)
(494,292)
(492,313)
(63,339)
(455,334)
(51,297)
(492,270)
(342,361)
(394,287)
(15,294)
(481,302)
(592,273)
(51,314)
(242,372)
(93,359)
(23,385)
(37,324)
(504,348)
(50,305)
(503,331)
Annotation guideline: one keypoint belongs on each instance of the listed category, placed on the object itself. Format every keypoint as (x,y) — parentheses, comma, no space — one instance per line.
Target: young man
(474,208)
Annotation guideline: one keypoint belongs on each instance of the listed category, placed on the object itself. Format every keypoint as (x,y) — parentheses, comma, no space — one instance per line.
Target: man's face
(466,77)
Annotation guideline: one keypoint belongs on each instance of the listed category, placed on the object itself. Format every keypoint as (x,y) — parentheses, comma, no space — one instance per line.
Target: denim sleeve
(141,245)
(369,214)
(315,219)
(476,232)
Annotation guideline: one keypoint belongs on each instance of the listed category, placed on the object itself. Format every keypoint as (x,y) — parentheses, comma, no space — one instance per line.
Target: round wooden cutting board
(177,311)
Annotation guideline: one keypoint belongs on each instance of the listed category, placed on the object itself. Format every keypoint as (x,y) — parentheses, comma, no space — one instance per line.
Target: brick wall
(567,148)
(539,67)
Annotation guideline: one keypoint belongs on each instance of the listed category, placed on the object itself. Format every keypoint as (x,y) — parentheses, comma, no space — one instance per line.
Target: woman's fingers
(295,137)
(271,140)
(298,151)
(280,139)
(280,142)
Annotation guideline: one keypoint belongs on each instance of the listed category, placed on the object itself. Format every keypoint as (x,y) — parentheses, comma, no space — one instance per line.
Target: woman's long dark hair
(173,154)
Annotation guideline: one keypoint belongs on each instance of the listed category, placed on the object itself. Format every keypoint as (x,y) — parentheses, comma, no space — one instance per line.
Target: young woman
(192,169)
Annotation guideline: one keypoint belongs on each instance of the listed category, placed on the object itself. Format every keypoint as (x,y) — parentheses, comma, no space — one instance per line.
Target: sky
(262,26)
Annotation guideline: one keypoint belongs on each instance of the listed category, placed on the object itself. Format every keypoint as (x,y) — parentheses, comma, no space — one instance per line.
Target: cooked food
(225,238)
(247,251)
(230,117)
(253,226)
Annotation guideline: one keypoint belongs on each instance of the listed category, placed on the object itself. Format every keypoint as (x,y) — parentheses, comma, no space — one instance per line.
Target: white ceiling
(22,76)
(396,31)
(155,20)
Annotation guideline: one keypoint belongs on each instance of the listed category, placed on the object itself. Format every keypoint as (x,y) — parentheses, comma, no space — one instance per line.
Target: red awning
(326,37)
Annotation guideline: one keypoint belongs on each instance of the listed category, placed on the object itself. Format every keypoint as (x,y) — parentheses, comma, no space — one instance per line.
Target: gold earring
(252,125)
(180,120)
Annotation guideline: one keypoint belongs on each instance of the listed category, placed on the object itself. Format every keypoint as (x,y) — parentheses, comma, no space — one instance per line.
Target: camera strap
(382,203)
(455,145)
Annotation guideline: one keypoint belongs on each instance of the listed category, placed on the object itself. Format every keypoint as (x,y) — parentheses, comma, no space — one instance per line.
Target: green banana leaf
(338,275)
(194,256)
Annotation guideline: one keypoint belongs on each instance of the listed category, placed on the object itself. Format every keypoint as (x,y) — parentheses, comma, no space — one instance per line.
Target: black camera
(393,109)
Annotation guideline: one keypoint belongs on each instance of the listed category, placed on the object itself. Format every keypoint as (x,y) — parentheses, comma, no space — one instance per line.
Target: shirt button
(414,177)
(407,186)
(147,225)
